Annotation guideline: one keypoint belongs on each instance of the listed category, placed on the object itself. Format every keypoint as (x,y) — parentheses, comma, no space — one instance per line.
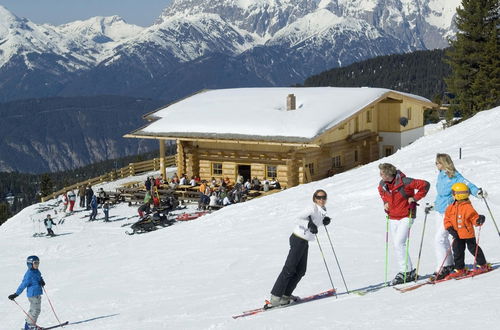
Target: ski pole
(477,248)
(491,214)
(427,210)
(386,247)
(50,303)
(326,266)
(337,260)
(29,316)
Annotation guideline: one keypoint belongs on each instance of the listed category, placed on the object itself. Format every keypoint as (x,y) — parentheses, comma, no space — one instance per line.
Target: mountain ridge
(105,55)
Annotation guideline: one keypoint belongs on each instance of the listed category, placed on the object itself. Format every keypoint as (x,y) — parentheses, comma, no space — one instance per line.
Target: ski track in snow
(197,274)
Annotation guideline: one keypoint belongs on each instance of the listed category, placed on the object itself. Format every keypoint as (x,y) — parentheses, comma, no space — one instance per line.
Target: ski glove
(481,193)
(480,220)
(312,227)
(42,282)
(429,208)
(452,232)
(13,296)
(326,221)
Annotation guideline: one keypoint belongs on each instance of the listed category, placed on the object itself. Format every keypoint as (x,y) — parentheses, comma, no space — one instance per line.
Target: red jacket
(397,192)
(462,217)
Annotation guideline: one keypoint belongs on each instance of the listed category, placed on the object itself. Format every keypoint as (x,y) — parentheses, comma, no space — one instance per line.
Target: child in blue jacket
(33,283)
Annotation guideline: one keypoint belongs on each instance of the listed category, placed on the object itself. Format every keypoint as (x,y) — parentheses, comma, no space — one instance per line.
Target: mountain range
(196,44)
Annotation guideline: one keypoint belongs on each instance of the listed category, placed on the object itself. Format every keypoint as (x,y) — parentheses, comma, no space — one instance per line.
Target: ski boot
(457,273)
(444,272)
(481,269)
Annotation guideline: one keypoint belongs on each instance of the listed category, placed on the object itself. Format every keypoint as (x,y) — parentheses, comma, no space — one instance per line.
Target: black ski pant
(294,268)
(50,232)
(459,252)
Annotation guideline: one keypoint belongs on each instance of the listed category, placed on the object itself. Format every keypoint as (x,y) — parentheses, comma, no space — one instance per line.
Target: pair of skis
(434,281)
(53,326)
(298,301)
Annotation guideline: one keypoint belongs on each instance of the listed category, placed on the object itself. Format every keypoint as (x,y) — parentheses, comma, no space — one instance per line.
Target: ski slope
(197,274)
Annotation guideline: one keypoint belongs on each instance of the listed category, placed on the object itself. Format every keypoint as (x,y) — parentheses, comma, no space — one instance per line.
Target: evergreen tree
(46,185)
(4,212)
(474,57)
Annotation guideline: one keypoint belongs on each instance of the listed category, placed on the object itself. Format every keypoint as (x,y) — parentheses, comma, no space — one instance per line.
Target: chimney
(290,102)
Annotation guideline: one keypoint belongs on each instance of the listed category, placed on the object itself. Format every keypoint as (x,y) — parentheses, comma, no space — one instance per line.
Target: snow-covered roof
(261,113)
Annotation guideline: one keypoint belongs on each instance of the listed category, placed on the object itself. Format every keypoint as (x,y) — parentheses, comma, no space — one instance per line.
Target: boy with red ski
(459,220)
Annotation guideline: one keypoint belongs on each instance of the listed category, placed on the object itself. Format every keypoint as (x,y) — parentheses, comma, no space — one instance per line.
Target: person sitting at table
(183,180)
(255,183)
(193,182)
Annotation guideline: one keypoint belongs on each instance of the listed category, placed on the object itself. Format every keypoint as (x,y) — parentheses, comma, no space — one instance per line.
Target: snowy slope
(195,275)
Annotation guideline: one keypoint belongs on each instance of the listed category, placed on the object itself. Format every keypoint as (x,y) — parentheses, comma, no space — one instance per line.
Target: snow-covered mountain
(277,42)
(197,274)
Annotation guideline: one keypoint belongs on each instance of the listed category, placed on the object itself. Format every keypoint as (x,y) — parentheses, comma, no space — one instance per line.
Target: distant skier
(400,203)
(93,205)
(33,283)
(296,263)
(447,177)
(71,199)
(105,209)
(459,220)
(48,225)
(88,196)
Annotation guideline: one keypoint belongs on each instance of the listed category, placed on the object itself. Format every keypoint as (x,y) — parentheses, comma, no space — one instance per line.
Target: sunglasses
(323,197)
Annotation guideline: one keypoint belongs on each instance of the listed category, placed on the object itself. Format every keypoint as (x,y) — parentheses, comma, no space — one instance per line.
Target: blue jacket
(444,195)
(31,281)
(93,202)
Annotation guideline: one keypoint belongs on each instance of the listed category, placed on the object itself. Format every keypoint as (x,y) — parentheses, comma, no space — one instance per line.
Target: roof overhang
(227,138)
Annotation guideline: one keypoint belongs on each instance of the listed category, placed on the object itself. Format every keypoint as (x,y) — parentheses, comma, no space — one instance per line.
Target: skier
(64,202)
(81,194)
(105,209)
(33,283)
(72,200)
(400,203)
(447,177)
(459,220)
(296,262)
(93,205)
(88,196)
(48,224)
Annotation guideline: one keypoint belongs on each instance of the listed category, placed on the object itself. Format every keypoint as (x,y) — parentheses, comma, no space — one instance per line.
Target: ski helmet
(30,260)
(460,191)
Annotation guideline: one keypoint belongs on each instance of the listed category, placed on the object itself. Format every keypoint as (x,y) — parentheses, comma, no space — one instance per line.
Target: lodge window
(388,150)
(356,155)
(408,113)
(271,171)
(310,166)
(369,116)
(216,169)
(336,162)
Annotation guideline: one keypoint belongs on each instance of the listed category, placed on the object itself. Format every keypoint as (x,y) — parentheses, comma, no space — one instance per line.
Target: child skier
(459,220)
(48,224)
(105,209)
(33,283)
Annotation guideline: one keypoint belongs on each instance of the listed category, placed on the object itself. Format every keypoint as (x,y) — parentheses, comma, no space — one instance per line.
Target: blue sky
(140,12)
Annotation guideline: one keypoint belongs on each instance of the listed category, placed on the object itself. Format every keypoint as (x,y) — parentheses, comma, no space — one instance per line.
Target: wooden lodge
(296,135)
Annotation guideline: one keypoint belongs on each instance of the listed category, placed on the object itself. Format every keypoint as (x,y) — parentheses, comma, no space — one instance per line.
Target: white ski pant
(35,307)
(442,243)
(399,232)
